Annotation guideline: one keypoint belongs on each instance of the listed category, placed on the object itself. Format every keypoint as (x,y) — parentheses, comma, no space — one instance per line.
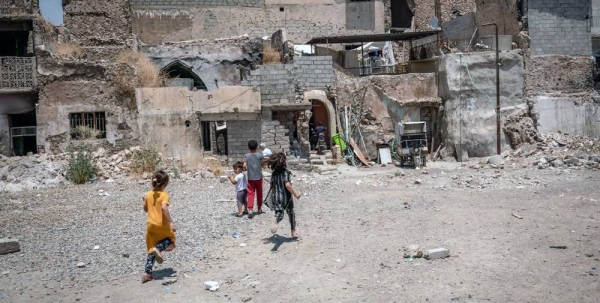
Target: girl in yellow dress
(160,229)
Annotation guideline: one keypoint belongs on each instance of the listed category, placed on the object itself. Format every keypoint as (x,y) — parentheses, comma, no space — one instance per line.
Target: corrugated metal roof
(372,38)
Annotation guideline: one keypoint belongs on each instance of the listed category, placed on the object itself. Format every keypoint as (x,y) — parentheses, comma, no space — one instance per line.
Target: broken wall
(560,89)
(217,62)
(386,100)
(170,119)
(559,27)
(469,97)
(157,21)
(81,78)
(282,87)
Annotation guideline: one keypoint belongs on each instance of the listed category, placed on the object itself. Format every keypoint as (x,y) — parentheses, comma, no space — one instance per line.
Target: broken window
(402,15)
(91,125)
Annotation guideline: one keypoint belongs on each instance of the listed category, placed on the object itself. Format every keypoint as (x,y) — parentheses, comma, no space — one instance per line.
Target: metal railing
(371,68)
(17,73)
(27,131)
(14,7)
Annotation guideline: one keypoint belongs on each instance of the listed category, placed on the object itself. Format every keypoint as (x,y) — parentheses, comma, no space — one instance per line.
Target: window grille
(94,122)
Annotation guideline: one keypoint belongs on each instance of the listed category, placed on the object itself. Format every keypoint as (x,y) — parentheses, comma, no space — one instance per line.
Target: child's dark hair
(276,161)
(238,164)
(159,179)
(252,145)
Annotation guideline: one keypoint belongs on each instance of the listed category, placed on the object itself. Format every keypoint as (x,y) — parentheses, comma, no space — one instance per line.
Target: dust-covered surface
(353,226)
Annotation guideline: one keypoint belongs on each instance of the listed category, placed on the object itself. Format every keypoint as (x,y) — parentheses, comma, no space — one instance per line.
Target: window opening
(89,125)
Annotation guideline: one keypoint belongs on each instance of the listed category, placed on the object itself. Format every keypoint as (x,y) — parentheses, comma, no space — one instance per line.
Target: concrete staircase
(315,162)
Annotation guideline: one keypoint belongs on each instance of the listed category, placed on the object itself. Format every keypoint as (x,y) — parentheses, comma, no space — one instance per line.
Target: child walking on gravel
(239,180)
(160,229)
(281,192)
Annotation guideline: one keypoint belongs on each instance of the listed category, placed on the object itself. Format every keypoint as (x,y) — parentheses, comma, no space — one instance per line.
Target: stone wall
(469,116)
(4,134)
(559,27)
(155,22)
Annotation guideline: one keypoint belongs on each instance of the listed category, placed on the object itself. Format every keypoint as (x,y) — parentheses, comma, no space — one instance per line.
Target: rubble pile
(560,151)
(31,172)
(44,170)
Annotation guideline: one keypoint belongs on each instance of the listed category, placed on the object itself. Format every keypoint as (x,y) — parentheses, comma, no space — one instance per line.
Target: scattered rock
(437,253)
(80,265)
(418,181)
(211,285)
(8,246)
(496,160)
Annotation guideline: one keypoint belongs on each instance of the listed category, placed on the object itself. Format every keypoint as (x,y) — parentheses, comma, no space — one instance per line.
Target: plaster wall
(568,115)
(163,113)
(155,22)
(469,117)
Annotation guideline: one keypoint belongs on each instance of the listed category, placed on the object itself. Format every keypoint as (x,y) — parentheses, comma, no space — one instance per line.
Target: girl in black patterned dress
(281,192)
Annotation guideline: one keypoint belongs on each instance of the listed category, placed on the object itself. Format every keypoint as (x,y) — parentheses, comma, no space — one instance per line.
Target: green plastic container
(339,142)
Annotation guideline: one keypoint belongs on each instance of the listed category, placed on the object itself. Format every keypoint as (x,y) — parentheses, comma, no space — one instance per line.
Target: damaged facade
(223,86)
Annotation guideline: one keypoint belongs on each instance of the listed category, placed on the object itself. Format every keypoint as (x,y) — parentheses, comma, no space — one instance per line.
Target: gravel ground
(60,227)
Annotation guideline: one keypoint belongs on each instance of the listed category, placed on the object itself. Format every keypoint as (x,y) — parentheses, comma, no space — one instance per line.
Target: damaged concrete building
(221,83)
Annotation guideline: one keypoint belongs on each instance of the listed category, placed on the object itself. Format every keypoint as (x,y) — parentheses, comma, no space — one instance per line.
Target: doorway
(23,132)
(320,116)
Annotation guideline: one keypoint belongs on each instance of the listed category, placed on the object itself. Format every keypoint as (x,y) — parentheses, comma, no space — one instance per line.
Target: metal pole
(498,145)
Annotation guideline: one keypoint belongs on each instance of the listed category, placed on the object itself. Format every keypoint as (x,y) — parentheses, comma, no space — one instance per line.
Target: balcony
(17,74)
(15,8)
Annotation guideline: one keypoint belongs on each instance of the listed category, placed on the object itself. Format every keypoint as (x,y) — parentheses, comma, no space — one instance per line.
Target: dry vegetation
(145,73)
(214,166)
(68,51)
(270,55)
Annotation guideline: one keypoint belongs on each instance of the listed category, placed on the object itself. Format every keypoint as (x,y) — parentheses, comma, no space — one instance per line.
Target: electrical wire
(231,99)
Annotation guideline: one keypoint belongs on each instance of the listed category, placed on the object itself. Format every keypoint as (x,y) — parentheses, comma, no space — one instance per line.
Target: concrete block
(438,253)
(496,160)
(8,246)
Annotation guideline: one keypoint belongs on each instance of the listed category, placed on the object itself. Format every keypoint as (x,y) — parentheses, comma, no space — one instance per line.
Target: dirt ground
(350,246)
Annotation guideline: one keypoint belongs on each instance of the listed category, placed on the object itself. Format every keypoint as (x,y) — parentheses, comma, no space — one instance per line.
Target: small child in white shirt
(238,178)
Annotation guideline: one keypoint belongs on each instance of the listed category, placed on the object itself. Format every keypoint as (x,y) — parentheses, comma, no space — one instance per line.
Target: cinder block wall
(276,83)
(238,135)
(314,72)
(559,27)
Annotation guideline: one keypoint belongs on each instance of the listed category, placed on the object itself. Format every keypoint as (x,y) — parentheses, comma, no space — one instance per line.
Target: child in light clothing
(241,184)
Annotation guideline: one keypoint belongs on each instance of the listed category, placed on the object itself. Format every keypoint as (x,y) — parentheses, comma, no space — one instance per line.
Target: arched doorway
(181,74)
(320,117)
(322,111)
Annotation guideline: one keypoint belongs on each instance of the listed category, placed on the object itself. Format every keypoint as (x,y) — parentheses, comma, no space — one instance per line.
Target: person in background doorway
(265,150)
(295,148)
(321,130)
(253,165)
